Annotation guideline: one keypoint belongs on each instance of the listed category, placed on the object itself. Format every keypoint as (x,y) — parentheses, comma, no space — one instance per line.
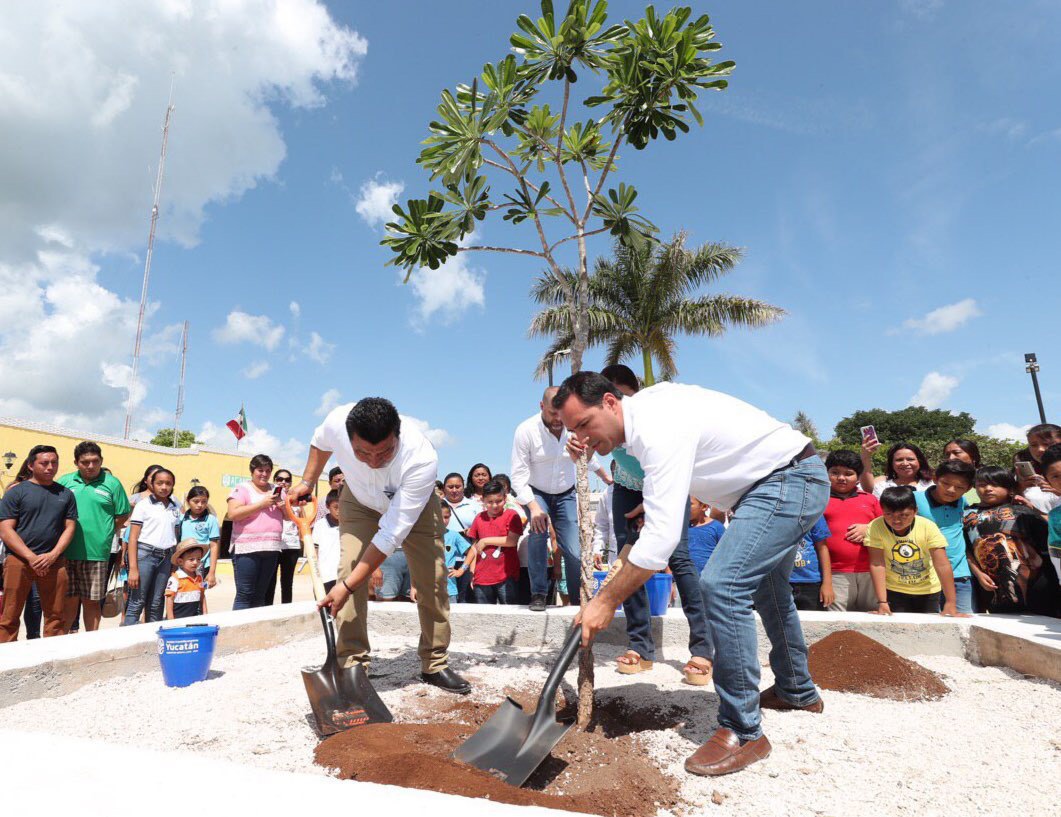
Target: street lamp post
(552,360)
(1032,368)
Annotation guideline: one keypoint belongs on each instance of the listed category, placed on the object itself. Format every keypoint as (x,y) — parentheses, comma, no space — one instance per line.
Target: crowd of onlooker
(957,538)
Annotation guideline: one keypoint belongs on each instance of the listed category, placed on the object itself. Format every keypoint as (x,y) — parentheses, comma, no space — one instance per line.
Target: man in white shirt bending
(543,478)
(690,440)
(388,500)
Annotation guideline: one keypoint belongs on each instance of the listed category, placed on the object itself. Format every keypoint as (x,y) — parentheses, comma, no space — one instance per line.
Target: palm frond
(555,352)
(621,346)
(552,320)
(712,315)
(548,290)
(710,262)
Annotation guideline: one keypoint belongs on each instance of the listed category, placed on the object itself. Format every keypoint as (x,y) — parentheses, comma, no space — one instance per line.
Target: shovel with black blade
(341,697)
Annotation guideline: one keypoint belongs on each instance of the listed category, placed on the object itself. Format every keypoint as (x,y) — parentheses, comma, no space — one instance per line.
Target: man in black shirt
(37,521)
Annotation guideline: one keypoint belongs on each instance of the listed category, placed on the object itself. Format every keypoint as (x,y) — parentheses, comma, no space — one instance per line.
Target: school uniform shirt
(40,513)
(842,512)
(907,559)
(807,569)
(99,503)
(187,593)
(1009,543)
(496,564)
(691,440)
(326,538)
(948,518)
(880,487)
(703,539)
(158,522)
(203,530)
(399,491)
(456,549)
(540,461)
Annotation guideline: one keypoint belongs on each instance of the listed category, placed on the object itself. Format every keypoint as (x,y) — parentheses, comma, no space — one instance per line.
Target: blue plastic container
(186,653)
(598,578)
(658,588)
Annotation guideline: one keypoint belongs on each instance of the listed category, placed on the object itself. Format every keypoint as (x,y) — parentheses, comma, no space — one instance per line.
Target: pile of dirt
(847,661)
(589,772)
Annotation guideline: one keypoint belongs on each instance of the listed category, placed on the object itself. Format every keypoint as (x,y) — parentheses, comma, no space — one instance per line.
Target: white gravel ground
(993,746)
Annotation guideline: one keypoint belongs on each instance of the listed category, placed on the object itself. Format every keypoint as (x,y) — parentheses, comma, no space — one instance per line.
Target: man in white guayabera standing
(690,440)
(543,478)
(388,500)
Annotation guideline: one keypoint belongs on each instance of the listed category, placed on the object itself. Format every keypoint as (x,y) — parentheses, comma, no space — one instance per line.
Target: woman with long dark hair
(290,547)
(907,466)
(478,476)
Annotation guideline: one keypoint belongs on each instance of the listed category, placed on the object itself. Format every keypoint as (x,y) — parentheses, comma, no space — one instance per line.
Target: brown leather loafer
(724,754)
(769,699)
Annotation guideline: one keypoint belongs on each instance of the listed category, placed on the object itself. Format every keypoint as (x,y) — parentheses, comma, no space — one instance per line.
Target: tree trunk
(650,378)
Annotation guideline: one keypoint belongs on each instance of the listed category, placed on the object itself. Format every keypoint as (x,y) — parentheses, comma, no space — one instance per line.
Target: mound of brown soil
(587,772)
(847,661)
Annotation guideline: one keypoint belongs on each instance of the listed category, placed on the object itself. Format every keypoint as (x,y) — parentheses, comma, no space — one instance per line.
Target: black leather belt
(805,454)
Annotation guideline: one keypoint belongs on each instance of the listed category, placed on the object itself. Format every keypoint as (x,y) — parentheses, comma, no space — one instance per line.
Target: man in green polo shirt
(102,508)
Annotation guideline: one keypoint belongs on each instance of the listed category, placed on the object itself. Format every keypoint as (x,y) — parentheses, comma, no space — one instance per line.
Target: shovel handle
(304,523)
(546,709)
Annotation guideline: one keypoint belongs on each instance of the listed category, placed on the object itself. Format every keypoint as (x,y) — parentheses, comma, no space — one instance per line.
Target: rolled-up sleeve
(668,462)
(418,483)
(520,471)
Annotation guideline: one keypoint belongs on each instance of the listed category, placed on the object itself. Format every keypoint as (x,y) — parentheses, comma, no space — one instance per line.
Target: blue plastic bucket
(658,588)
(598,578)
(186,652)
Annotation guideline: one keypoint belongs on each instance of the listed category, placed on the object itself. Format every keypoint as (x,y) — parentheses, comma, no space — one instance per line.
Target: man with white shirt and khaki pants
(388,501)
(732,456)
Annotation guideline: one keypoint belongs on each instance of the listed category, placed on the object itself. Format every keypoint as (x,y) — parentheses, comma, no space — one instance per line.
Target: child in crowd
(523,592)
(326,541)
(152,543)
(908,558)
(185,592)
(848,515)
(811,579)
(1036,489)
(201,525)
(704,533)
(1007,548)
(1051,464)
(456,549)
(495,533)
(944,503)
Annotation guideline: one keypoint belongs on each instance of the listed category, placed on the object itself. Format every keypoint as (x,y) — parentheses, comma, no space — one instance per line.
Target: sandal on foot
(631,663)
(697,674)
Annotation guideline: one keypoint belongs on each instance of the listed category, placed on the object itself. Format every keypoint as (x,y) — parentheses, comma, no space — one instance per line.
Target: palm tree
(805,425)
(642,299)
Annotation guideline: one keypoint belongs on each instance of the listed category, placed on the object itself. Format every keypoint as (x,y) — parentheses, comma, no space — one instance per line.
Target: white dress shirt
(400,491)
(539,460)
(696,441)
(604,541)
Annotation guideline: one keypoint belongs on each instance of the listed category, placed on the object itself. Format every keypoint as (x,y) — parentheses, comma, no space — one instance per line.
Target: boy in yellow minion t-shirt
(908,558)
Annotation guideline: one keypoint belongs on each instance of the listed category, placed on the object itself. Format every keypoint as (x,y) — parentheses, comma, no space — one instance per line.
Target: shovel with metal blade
(341,697)
(512,743)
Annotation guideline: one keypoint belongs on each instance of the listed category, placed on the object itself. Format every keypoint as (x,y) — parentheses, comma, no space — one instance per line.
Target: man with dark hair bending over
(388,500)
(690,440)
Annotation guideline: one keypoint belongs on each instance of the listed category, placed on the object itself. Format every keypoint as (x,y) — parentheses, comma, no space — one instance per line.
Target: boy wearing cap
(185,593)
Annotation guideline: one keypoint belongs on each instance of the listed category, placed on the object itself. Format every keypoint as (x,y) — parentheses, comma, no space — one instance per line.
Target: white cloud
(256,369)
(1004,126)
(318,349)
(289,454)
(945,319)
(329,400)
(240,327)
(82,96)
(438,437)
(1008,431)
(448,292)
(922,9)
(935,389)
(296,309)
(375,200)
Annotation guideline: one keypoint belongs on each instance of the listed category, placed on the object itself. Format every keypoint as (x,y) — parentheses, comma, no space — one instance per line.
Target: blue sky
(877,161)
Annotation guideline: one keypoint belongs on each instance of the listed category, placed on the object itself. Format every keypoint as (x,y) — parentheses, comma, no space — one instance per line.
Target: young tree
(553,168)
(905,425)
(642,298)
(164,436)
(805,425)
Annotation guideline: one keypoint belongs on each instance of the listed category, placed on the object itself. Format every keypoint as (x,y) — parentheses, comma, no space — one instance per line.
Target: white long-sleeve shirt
(540,460)
(399,491)
(692,440)
(604,541)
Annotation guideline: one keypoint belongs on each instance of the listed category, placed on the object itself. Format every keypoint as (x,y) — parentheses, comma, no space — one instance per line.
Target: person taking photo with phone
(257,534)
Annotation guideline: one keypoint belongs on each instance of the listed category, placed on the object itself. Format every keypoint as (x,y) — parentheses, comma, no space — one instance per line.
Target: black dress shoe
(448,680)
(537,604)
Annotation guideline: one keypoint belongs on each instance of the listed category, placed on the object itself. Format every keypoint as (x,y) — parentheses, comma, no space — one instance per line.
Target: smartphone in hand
(869,435)
(1025,470)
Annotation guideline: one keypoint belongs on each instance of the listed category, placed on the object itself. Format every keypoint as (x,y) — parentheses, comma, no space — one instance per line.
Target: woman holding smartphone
(257,534)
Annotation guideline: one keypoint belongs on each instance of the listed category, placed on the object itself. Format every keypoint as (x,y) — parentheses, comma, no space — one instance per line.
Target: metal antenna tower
(147,270)
(180,387)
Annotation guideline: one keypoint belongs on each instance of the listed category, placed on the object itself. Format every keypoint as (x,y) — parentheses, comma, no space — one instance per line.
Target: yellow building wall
(217,471)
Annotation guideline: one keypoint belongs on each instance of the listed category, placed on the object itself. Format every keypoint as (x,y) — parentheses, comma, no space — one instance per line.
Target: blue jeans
(687,580)
(751,566)
(254,573)
(504,593)
(395,569)
(563,511)
(155,566)
(963,593)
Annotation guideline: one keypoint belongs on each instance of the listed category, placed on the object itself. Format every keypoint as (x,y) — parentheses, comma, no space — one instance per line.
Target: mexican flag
(238,424)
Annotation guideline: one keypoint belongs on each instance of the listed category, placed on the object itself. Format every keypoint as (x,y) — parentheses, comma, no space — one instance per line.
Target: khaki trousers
(854,593)
(18,580)
(425,552)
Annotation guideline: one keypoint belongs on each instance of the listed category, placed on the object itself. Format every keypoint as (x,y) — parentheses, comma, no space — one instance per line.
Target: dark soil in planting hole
(600,771)
(847,661)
